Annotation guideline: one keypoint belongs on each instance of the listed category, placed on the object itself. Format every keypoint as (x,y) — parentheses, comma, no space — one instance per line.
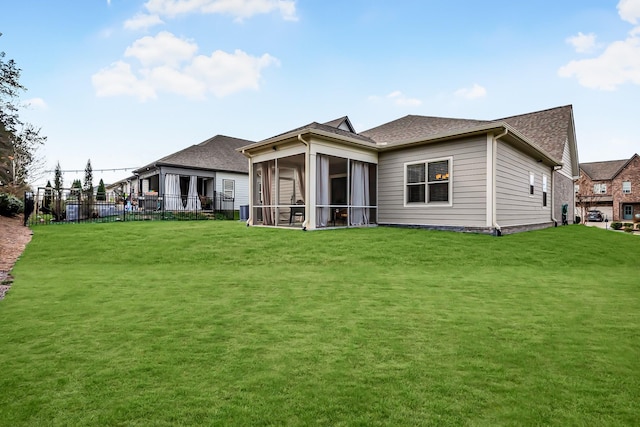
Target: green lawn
(214,323)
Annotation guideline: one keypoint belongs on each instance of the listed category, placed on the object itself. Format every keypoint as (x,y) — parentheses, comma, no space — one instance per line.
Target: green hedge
(10,205)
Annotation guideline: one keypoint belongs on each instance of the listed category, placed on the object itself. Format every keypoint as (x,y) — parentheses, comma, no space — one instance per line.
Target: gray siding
(514,204)
(564,192)
(468,178)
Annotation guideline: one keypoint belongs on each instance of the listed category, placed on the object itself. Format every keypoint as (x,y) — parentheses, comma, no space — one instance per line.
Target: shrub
(628,228)
(638,226)
(616,225)
(627,224)
(10,205)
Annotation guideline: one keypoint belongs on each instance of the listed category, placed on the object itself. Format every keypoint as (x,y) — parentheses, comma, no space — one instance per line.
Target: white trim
(426,203)
(491,182)
(532,184)
(545,183)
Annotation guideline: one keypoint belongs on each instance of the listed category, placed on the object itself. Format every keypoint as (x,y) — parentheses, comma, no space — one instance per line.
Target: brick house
(612,187)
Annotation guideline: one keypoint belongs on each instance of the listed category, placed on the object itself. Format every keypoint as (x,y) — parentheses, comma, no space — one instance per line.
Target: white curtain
(172,197)
(359,193)
(322,190)
(266,175)
(193,201)
(300,179)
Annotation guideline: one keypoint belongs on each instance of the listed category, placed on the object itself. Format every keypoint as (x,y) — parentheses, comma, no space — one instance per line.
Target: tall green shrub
(101,194)
(10,205)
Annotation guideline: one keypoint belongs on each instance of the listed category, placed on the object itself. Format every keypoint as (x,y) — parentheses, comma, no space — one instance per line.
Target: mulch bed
(14,237)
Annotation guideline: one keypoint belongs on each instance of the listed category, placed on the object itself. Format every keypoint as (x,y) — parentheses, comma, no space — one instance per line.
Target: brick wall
(630,173)
(586,199)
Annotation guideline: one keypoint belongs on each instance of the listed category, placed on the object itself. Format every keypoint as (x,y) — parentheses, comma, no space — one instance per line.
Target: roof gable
(216,153)
(603,171)
(549,129)
(342,123)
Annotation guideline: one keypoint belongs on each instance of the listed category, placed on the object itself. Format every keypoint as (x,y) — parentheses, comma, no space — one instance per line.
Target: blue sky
(126,82)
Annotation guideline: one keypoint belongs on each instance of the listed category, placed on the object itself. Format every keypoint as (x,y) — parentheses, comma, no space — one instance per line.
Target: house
(198,175)
(612,187)
(500,176)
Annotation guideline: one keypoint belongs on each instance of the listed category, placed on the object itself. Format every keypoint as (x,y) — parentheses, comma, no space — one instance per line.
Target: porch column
(310,190)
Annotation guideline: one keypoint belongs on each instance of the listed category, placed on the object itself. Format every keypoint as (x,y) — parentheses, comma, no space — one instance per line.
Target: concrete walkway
(607,226)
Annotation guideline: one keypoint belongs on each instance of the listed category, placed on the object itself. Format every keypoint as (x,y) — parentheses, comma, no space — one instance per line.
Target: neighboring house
(612,187)
(499,176)
(198,174)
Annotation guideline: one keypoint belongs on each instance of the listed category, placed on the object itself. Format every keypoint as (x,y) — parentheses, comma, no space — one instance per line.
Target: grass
(213,323)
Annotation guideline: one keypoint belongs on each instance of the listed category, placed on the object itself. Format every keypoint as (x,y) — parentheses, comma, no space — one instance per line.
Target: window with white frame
(428,181)
(228,188)
(544,190)
(532,183)
(626,187)
(576,188)
(600,188)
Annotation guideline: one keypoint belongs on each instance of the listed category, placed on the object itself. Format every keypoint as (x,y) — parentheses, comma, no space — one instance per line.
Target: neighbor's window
(228,188)
(600,188)
(532,182)
(544,190)
(626,187)
(429,181)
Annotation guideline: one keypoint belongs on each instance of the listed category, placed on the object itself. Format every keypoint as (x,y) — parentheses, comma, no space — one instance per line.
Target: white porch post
(310,190)
(251,191)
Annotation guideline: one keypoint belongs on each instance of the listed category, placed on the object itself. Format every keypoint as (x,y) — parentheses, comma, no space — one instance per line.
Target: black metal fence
(48,206)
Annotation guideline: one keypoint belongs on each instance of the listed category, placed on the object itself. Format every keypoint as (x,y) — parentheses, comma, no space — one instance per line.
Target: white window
(544,190)
(428,182)
(600,188)
(228,188)
(626,187)
(532,182)
(576,188)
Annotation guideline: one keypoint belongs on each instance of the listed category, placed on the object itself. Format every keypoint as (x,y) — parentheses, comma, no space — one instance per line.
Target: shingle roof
(217,153)
(324,127)
(548,129)
(413,127)
(602,171)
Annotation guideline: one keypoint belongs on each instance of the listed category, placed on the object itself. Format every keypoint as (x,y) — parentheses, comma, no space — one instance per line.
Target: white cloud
(618,64)
(629,10)
(474,92)
(169,64)
(583,43)
(240,9)
(35,104)
(163,49)
(402,100)
(118,79)
(224,73)
(142,21)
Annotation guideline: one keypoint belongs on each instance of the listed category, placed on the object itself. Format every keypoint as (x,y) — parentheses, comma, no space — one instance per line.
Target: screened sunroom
(311,182)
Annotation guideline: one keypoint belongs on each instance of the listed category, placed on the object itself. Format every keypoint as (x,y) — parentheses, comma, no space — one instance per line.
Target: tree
(48,197)
(57,180)
(88,180)
(76,189)
(57,188)
(26,164)
(18,141)
(101,194)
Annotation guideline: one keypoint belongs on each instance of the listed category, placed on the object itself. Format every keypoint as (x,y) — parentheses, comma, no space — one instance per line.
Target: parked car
(595,216)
